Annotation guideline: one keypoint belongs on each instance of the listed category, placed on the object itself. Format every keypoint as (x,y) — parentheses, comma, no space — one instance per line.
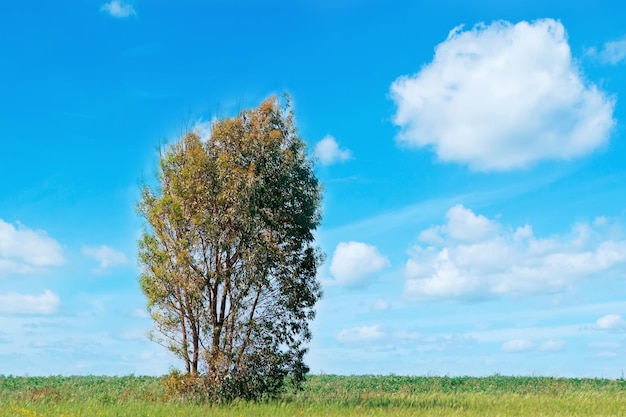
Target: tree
(228,258)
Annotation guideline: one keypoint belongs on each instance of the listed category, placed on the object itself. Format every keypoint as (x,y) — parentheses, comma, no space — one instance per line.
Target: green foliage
(229,262)
(323,395)
(250,386)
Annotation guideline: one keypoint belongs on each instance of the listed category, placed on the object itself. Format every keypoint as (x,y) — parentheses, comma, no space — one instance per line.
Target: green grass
(323,395)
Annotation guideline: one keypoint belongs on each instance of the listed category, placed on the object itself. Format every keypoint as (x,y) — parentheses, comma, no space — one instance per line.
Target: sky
(472,156)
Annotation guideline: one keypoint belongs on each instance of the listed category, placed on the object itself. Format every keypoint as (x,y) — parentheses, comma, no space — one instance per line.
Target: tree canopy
(228,256)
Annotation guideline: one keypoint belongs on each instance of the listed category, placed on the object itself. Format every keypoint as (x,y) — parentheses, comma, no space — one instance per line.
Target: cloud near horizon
(517,345)
(503,96)
(524,345)
(471,257)
(360,334)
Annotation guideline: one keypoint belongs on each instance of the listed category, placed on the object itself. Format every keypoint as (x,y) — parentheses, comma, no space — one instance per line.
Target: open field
(323,395)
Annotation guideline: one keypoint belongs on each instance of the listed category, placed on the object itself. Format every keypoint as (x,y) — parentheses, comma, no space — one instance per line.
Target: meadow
(323,395)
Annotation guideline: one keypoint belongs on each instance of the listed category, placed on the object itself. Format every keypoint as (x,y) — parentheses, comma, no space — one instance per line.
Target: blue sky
(472,157)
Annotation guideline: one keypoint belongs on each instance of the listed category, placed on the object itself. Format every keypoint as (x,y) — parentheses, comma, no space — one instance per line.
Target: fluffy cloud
(360,334)
(465,226)
(612,53)
(106,256)
(353,262)
(24,250)
(472,257)
(503,96)
(15,303)
(327,151)
(611,322)
(118,8)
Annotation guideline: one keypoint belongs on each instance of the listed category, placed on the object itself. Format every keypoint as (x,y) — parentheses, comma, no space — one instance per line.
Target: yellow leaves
(223,160)
(251,169)
(268,106)
(288,154)
(275,134)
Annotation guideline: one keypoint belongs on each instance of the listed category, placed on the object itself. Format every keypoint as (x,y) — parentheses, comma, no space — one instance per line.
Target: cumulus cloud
(106,256)
(360,334)
(501,97)
(24,250)
(327,151)
(118,9)
(611,322)
(15,303)
(354,262)
(463,225)
(475,258)
(517,345)
(611,53)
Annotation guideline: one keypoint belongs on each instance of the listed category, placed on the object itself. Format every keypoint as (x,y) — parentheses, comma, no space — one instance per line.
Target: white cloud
(204,128)
(517,345)
(464,225)
(118,8)
(605,345)
(611,322)
(612,53)
(407,335)
(610,355)
(499,335)
(503,96)
(106,256)
(380,305)
(479,258)
(24,250)
(15,303)
(327,151)
(552,346)
(353,262)
(360,334)
(523,345)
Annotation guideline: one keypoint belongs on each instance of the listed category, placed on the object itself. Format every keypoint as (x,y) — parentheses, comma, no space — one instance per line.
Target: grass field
(323,395)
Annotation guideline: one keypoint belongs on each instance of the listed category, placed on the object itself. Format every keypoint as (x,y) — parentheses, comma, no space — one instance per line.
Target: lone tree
(228,256)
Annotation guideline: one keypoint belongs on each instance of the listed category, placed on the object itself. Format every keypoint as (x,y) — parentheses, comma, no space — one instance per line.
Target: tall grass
(323,395)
